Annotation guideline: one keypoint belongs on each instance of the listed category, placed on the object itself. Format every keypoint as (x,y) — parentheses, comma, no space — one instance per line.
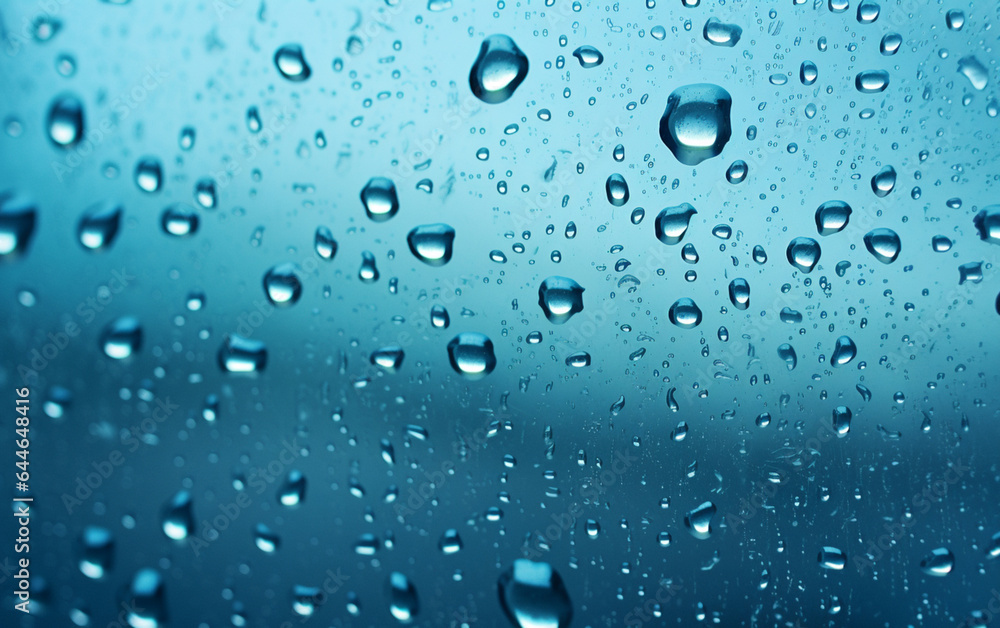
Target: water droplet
(841,421)
(498,70)
(97,548)
(471,355)
(973,69)
(808,72)
(884,244)
(242,355)
(890,44)
(292,491)
(121,337)
(737,172)
(695,125)
(149,175)
(719,33)
(560,298)
(65,121)
(282,284)
(579,359)
(266,539)
(871,81)
(617,190)
(939,562)
(98,226)
(439,317)
(832,558)
(533,595)
(291,62)
(868,11)
(699,521)
(145,601)
(739,293)
(955,19)
(843,351)
(388,358)
(432,244)
(672,223)
(787,353)
(179,220)
(205,194)
(588,56)
(832,217)
(450,542)
(379,198)
(987,223)
(178,517)
(324,243)
(803,253)
(17,225)
(368,273)
(884,181)
(404,604)
(685,313)
(187,137)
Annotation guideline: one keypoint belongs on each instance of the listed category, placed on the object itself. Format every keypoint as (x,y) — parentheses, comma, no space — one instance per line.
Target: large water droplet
(96,552)
(145,601)
(149,175)
(672,223)
(973,69)
(987,223)
(324,243)
(890,44)
(884,181)
(832,558)
(291,62)
(871,81)
(17,225)
(533,595)
(121,337)
(803,253)
(99,225)
(739,293)
(841,421)
(379,198)
(884,244)
(939,562)
(560,298)
(292,491)
(65,121)
(404,604)
(832,217)
(179,220)
(242,355)
(266,539)
(699,520)
(588,56)
(617,190)
(388,358)
(471,355)
(178,517)
(684,313)
(432,244)
(498,70)
(719,33)
(450,542)
(439,317)
(368,273)
(843,351)
(282,284)
(695,125)
(787,353)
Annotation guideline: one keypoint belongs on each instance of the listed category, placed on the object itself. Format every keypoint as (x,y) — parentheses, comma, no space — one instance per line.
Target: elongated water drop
(17,225)
(178,517)
(533,595)
(379,199)
(239,354)
(65,121)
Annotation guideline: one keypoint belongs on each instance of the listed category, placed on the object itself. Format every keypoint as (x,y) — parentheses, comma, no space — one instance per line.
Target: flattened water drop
(533,595)
(719,33)
(973,69)
(291,63)
(588,56)
(432,244)
(617,190)
(121,338)
(471,355)
(871,81)
(803,253)
(832,217)
(242,355)
(672,223)
(884,244)
(498,70)
(560,298)
(695,125)
(939,562)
